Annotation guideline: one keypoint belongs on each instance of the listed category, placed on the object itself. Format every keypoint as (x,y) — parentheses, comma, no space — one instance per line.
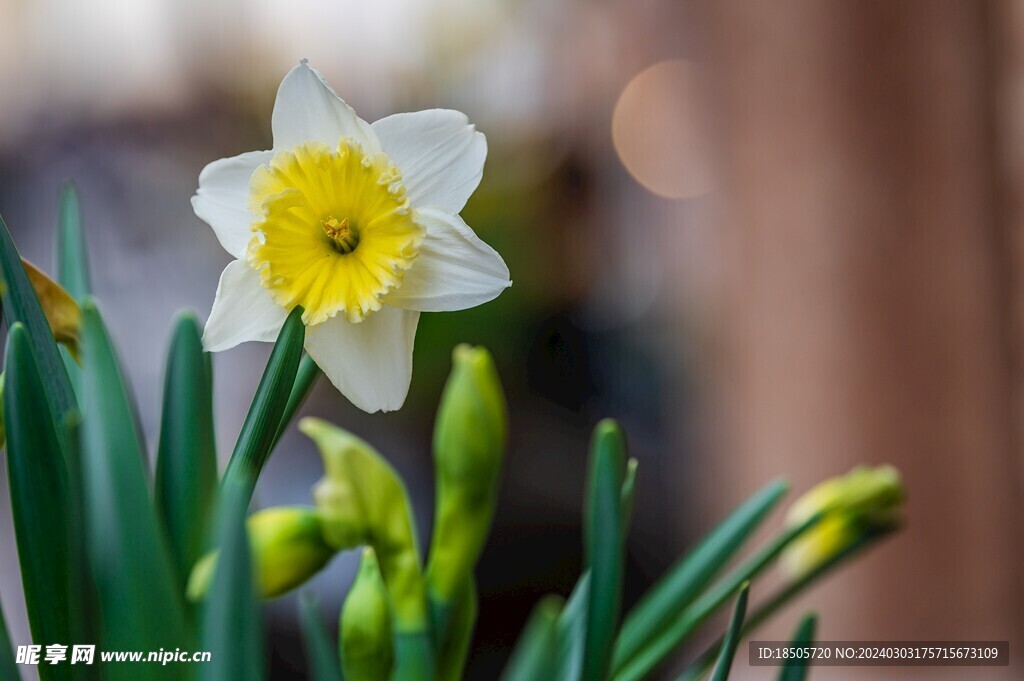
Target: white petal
(222,195)
(440,154)
(369,362)
(308,110)
(455,270)
(242,311)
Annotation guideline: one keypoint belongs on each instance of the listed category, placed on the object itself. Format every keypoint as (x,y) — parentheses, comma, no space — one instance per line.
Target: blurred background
(771,238)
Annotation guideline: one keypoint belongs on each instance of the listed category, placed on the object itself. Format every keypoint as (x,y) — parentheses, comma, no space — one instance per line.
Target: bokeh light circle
(660,130)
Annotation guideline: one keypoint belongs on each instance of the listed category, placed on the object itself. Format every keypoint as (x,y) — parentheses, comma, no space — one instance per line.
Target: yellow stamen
(340,232)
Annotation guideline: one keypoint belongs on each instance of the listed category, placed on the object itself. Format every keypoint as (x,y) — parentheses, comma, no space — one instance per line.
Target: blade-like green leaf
(534,656)
(8,669)
(72,266)
(688,577)
(732,636)
(665,641)
(20,304)
(455,647)
(259,431)
(140,604)
(231,628)
(186,469)
(604,547)
(782,597)
(72,258)
(322,655)
(572,632)
(305,377)
(796,666)
(39,501)
(628,495)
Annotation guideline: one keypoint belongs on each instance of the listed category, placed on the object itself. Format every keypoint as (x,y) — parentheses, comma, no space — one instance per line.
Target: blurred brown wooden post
(869,307)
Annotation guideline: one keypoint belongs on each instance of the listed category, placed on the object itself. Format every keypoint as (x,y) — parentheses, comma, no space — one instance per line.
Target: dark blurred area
(770,238)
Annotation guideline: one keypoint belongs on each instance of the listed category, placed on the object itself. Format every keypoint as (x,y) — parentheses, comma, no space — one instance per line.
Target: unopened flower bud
(862,503)
(365,631)
(469,446)
(363,502)
(288,548)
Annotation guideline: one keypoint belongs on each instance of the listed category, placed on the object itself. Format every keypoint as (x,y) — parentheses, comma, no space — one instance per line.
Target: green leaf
(322,655)
(783,596)
(572,632)
(8,669)
(305,377)
(186,469)
(688,577)
(455,647)
(732,636)
(628,495)
(259,431)
(20,304)
(39,501)
(72,266)
(72,257)
(141,606)
(231,626)
(665,641)
(535,655)
(796,667)
(604,547)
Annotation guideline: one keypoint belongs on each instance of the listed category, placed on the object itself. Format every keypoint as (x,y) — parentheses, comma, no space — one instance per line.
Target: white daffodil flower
(357,223)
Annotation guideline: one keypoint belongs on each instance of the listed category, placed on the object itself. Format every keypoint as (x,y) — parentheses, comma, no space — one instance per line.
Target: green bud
(363,502)
(288,548)
(365,631)
(864,502)
(469,446)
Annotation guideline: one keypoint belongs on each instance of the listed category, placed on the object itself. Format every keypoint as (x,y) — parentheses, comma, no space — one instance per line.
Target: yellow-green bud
(863,502)
(365,631)
(363,502)
(469,446)
(288,548)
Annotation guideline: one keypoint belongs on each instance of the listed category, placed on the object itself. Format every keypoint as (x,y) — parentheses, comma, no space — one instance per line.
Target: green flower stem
(441,612)
(305,378)
(259,431)
(783,596)
(454,649)
(414,656)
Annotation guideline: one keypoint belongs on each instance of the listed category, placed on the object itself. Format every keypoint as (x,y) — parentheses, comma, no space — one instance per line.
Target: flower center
(335,232)
(344,236)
